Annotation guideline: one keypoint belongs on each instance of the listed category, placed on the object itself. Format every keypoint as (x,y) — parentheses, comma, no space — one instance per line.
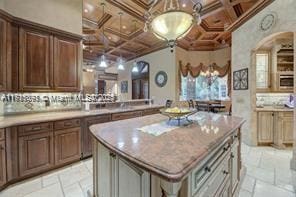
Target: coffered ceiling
(212,34)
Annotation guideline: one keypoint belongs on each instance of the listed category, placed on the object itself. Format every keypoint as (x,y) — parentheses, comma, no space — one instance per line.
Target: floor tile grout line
(61,186)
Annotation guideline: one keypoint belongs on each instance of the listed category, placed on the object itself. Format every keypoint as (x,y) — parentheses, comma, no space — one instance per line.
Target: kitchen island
(199,159)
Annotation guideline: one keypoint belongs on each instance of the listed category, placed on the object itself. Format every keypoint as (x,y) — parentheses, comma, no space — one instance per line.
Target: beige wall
(220,57)
(61,14)
(244,101)
(161,60)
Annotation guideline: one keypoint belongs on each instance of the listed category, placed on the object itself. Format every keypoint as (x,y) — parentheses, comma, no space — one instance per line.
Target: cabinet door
(35,153)
(2,163)
(35,60)
(235,166)
(285,127)
(87,138)
(66,64)
(67,145)
(265,127)
(2,55)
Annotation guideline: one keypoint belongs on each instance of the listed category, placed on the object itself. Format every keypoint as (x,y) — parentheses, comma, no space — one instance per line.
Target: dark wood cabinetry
(126,115)
(35,153)
(66,64)
(2,158)
(67,145)
(87,138)
(5,52)
(35,60)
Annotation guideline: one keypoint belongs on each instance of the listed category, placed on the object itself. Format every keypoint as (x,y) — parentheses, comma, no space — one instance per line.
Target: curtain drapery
(196,70)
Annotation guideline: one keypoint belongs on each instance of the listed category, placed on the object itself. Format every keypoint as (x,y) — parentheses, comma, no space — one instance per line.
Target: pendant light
(135,67)
(120,61)
(103,63)
(173,23)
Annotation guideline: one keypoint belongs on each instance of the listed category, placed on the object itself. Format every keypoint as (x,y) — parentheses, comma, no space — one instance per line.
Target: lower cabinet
(285,127)
(35,153)
(275,128)
(120,178)
(2,162)
(67,145)
(265,127)
(87,138)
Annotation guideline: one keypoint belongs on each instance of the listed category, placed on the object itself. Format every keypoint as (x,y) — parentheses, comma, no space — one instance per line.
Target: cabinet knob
(225,172)
(232,156)
(112,155)
(208,169)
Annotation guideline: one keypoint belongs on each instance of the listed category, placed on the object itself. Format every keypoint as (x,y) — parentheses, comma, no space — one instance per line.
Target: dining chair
(191,104)
(168,103)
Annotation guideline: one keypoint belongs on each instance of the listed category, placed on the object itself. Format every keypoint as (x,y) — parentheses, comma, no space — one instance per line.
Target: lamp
(173,23)
(103,63)
(135,67)
(120,61)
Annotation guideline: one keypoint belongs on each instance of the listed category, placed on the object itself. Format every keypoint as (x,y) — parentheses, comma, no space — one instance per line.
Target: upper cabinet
(35,60)
(5,47)
(263,71)
(66,64)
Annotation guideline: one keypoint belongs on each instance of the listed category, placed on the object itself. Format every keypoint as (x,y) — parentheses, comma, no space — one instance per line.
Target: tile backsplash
(38,102)
(268,99)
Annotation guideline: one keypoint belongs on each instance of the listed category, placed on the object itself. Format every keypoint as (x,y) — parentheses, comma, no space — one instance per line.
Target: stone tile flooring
(268,174)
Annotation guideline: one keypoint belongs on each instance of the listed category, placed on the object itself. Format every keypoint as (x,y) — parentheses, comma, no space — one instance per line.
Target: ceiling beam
(126,9)
(228,7)
(260,5)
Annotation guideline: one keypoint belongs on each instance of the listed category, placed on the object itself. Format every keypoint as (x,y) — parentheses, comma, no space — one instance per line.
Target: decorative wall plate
(124,87)
(240,79)
(268,21)
(161,79)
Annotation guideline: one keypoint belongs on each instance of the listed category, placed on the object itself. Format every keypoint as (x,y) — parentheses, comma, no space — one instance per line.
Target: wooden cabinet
(118,177)
(151,111)
(5,55)
(126,115)
(35,60)
(66,64)
(265,127)
(35,153)
(87,138)
(235,164)
(275,128)
(2,158)
(285,127)
(67,145)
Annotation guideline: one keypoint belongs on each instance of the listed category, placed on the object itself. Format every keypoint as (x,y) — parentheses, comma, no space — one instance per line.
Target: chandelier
(210,75)
(173,23)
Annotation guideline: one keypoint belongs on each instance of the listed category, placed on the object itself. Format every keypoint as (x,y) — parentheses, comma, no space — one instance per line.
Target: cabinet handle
(232,156)
(208,169)
(36,128)
(225,172)
(2,148)
(112,155)
(235,136)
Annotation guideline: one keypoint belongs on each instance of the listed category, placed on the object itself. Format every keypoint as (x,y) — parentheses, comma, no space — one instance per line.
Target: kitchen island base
(218,174)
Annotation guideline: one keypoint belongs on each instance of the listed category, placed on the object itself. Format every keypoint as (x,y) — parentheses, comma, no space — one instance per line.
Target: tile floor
(268,174)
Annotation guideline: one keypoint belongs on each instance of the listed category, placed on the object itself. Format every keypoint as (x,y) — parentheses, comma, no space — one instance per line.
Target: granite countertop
(15,120)
(275,109)
(171,155)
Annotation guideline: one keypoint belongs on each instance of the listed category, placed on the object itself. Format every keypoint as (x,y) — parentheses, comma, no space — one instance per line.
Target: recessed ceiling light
(124,27)
(184,5)
(86,10)
(109,37)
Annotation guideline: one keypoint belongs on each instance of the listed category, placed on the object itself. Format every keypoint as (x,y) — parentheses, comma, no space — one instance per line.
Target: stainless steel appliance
(286,81)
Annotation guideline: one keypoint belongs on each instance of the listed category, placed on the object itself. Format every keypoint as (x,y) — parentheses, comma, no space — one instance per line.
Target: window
(197,88)
(262,70)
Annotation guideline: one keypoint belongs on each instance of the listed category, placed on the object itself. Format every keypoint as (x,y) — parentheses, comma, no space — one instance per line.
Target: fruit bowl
(178,113)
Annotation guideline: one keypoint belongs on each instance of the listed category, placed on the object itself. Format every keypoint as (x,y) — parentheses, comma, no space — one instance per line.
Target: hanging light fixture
(173,23)
(103,63)
(135,67)
(120,61)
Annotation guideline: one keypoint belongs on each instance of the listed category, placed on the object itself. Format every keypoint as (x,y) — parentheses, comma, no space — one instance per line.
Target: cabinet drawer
(97,120)
(35,128)
(2,134)
(64,124)
(150,111)
(201,175)
(126,115)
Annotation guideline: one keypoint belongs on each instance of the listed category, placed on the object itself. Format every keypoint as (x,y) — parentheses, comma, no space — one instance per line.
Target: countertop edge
(82,115)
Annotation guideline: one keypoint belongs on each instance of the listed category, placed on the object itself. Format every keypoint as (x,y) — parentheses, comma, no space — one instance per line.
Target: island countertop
(171,155)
